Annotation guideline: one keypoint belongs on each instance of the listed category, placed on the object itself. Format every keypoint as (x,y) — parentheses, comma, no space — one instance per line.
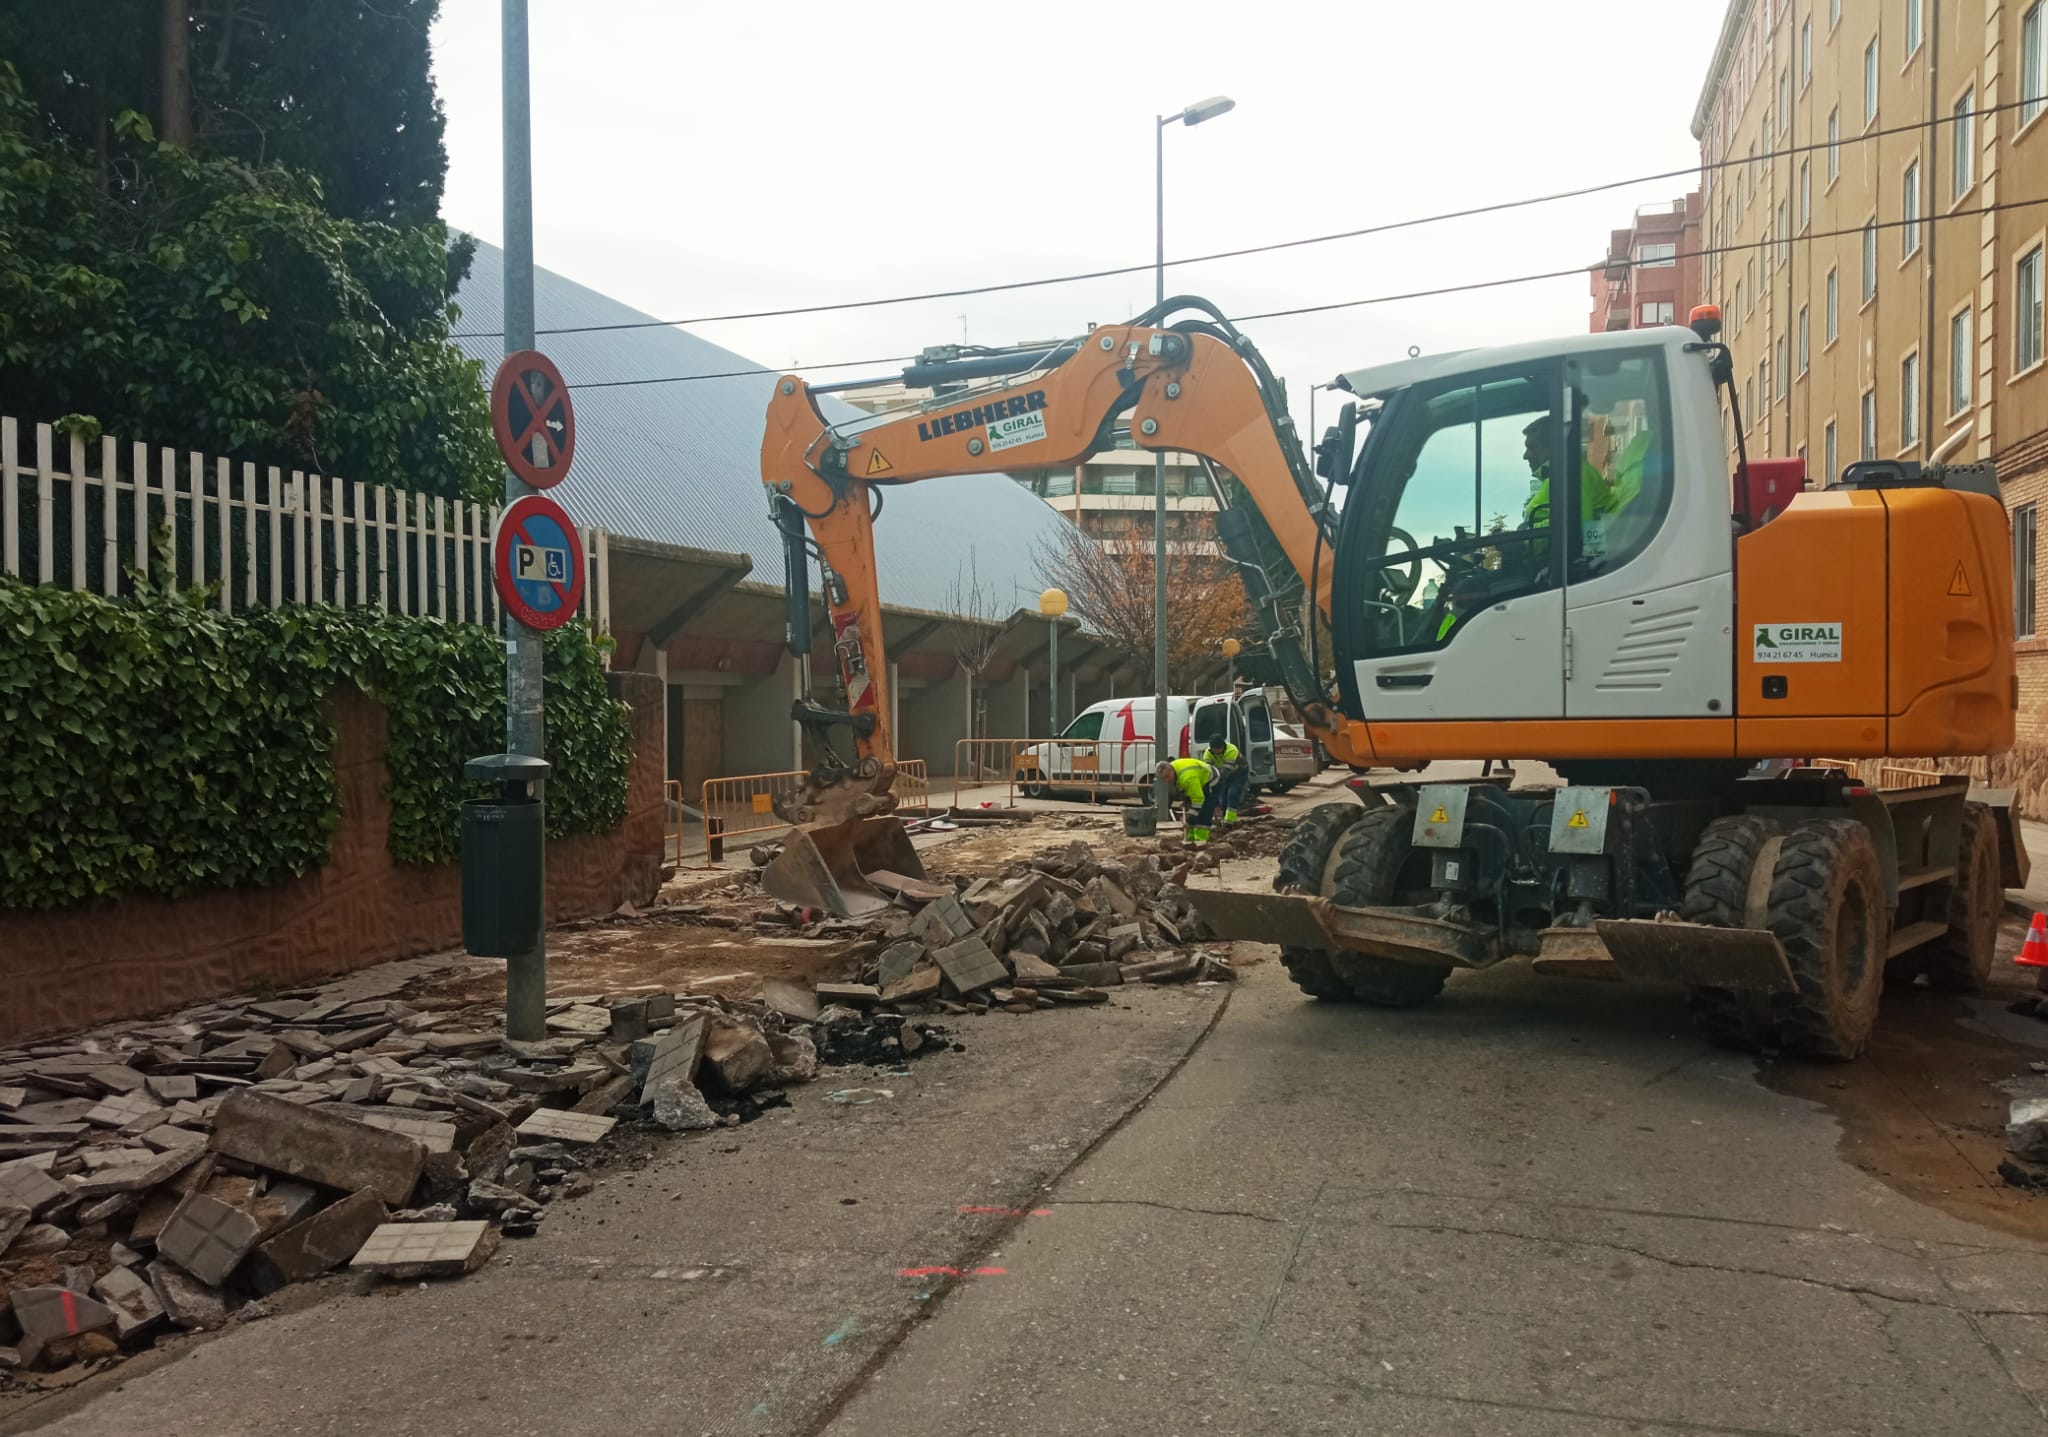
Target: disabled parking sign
(537,559)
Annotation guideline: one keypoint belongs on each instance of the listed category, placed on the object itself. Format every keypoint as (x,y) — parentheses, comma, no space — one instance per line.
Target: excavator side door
(1450,597)
(1649,593)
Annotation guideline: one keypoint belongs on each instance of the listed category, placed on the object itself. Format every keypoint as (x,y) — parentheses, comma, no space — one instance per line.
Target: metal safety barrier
(672,819)
(747,803)
(1092,766)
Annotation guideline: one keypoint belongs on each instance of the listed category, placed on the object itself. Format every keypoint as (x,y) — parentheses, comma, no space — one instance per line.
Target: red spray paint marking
(1010,1211)
(70,1311)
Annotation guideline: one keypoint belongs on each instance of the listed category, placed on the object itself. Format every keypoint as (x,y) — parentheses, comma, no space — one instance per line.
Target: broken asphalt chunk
(304,1143)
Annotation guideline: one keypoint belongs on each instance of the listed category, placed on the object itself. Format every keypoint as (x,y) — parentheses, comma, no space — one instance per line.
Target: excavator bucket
(826,866)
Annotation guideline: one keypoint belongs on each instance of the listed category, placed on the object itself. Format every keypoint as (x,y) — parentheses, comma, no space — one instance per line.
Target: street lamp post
(1052,603)
(1194,114)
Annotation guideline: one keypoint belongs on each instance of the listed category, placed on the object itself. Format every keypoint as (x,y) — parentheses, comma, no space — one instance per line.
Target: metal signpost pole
(526,975)
(1162,794)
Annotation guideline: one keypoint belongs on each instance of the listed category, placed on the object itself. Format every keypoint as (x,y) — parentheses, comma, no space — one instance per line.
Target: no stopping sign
(537,559)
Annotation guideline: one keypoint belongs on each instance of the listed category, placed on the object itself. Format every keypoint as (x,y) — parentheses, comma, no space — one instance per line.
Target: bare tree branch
(977,618)
(1110,589)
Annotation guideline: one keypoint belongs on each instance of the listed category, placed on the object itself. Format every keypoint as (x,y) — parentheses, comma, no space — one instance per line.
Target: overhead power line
(1417,221)
(1578,270)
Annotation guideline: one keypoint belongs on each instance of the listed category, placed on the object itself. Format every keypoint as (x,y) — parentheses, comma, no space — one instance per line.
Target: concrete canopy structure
(672,470)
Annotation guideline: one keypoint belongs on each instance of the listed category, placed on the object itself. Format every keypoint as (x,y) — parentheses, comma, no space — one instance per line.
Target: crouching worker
(1195,781)
(1232,773)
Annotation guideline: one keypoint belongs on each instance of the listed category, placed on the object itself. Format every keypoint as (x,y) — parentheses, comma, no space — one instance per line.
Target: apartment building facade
(1652,274)
(1871,178)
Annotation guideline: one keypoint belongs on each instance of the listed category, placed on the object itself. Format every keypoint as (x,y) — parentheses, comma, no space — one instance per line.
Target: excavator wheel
(1305,867)
(1368,870)
(1828,908)
(1717,892)
(1961,958)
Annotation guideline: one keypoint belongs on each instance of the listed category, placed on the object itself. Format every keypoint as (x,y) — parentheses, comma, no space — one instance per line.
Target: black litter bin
(504,857)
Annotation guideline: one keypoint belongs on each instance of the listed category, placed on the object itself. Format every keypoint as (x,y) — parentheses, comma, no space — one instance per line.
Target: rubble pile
(1056,929)
(169,1175)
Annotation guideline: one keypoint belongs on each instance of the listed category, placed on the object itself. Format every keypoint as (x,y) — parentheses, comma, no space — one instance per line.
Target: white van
(1109,743)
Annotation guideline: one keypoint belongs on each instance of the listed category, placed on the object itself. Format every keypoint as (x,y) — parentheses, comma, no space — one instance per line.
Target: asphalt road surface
(1533,1207)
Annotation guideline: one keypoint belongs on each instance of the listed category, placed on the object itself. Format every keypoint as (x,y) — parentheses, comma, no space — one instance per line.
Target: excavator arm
(1190,389)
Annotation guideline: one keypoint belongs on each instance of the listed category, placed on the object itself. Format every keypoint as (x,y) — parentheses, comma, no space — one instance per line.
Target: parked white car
(1110,743)
(1295,759)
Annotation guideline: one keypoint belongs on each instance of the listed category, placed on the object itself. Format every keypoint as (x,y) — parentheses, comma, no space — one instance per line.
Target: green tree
(276,287)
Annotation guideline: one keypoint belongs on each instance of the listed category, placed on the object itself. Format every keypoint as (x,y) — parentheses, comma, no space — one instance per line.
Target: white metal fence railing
(79,516)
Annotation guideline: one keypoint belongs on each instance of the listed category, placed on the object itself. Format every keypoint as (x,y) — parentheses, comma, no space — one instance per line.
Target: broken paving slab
(300,1142)
(941,922)
(49,1314)
(208,1237)
(318,1245)
(791,1000)
(555,1125)
(409,1250)
(430,1133)
(135,1177)
(187,1301)
(134,1303)
(914,986)
(674,1055)
(970,965)
(31,1187)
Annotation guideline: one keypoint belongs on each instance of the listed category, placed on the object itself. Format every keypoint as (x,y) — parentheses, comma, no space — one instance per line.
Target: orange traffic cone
(2034,952)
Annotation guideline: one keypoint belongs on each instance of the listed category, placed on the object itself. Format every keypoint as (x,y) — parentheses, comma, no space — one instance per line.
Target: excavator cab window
(1456,510)
(1621,434)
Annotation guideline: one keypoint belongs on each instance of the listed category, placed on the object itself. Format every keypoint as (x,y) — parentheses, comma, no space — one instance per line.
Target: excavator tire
(1828,908)
(1717,892)
(1961,958)
(1305,865)
(1367,872)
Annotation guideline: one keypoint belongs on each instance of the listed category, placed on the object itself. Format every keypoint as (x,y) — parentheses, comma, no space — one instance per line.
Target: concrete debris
(738,1055)
(134,1303)
(681,1108)
(2026,1132)
(411,1250)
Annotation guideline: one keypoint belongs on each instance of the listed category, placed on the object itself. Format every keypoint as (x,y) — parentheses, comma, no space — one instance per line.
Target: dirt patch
(1923,1110)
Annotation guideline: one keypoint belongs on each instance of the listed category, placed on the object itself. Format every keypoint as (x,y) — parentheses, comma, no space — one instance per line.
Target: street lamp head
(1207,109)
(1052,603)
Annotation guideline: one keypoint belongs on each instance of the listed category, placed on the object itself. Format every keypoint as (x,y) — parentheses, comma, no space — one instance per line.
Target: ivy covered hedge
(154,746)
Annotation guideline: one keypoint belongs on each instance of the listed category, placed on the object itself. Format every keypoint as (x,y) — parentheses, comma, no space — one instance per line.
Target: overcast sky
(694,158)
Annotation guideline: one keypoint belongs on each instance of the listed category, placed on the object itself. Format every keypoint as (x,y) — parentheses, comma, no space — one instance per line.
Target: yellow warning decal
(1577,820)
(763,803)
(1440,816)
(1959,583)
(877,464)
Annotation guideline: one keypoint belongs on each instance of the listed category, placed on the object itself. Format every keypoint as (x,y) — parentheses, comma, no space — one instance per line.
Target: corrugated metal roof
(681,463)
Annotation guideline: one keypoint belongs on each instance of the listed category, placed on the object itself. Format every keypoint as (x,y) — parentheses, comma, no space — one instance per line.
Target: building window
(1834,143)
(1870,83)
(1805,194)
(1805,351)
(1656,256)
(1763,381)
(1657,312)
(1785,102)
(1963,160)
(1748,404)
(1784,373)
(1766,131)
(1909,210)
(1867,434)
(1834,13)
(2023,571)
(1749,274)
(1834,310)
(1805,52)
(1912,27)
(1784,233)
(1909,401)
(2027,311)
(1827,452)
(1869,261)
(2033,66)
(1959,361)
(1735,311)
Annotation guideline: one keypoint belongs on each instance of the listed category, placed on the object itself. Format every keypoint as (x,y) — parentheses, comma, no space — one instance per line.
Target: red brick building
(1652,274)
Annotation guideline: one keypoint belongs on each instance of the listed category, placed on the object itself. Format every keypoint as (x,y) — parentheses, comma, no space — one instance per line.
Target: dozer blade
(1302,921)
(1697,954)
(1575,953)
(826,867)
(1289,919)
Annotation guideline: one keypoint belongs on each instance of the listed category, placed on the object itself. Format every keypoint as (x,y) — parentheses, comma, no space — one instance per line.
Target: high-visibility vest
(1595,497)
(1192,777)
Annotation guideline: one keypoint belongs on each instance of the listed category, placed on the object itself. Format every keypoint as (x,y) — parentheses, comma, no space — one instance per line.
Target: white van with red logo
(1107,743)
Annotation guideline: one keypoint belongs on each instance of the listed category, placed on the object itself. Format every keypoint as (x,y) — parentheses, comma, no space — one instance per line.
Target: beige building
(1878,301)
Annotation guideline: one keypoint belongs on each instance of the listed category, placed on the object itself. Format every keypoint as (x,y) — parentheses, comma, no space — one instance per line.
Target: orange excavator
(1537,549)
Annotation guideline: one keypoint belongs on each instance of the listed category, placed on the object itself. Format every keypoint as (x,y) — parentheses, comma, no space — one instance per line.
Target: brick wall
(72,969)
